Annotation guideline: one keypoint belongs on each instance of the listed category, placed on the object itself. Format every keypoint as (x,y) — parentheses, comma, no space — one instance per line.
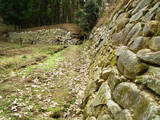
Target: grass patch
(46,65)
(39,93)
(15,56)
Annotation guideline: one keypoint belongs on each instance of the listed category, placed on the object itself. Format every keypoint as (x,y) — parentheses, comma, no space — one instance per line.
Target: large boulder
(138,43)
(140,103)
(135,31)
(128,63)
(138,15)
(126,94)
(113,107)
(103,95)
(151,79)
(149,57)
(124,115)
(115,78)
(141,5)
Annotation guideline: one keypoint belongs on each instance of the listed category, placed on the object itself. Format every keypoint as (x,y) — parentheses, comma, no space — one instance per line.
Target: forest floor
(41,82)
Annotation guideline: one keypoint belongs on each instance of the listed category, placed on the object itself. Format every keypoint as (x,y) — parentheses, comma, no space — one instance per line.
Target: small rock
(105,73)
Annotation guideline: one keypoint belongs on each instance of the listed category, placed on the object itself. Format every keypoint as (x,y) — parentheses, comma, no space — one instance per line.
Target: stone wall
(44,36)
(125,69)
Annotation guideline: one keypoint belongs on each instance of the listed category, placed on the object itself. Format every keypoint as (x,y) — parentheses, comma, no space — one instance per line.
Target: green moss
(47,65)
(57,112)
(113,61)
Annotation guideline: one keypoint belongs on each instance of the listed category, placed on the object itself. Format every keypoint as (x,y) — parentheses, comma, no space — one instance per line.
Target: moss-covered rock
(149,57)
(129,65)
(129,96)
(154,43)
(151,79)
(138,43)
(103,95)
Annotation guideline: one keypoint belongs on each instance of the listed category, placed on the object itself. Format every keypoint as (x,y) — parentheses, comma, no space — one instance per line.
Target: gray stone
(120,37)
(149,57)
(141,5)
(89,108)
(154,43)
(120,50)
(121,23)
(157,117)
(151,28)
(103,95)
(141,104)
(151,79)
(126,94)
(97,74)
(149,16)
(113,107)
(124,115)
(105,73)
(104,117)
(129,65)
(135,31)
(157,17)
(138,15)
(91,118)
(138,43)
(114,79)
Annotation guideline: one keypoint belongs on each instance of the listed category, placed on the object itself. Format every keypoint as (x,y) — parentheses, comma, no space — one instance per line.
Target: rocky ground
(42,88)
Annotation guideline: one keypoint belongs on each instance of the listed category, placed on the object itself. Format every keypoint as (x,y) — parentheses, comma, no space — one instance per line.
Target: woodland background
(33,13)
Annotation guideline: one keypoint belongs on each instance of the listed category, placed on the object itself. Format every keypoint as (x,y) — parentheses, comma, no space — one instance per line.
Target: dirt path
(47,91)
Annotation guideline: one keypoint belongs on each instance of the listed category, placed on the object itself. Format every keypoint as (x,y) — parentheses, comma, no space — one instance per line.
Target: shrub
(89,14)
